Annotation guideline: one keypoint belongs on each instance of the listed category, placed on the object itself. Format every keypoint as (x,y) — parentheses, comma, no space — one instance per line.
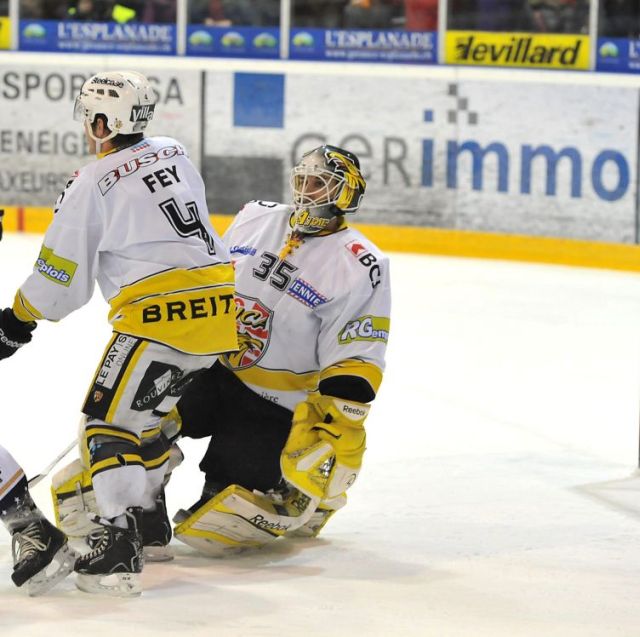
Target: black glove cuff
(15,328)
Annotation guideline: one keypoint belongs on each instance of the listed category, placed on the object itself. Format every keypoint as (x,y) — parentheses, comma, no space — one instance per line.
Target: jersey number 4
(187,224)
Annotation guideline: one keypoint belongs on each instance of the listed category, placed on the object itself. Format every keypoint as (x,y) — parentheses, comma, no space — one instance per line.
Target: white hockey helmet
(125,98)
(326,183)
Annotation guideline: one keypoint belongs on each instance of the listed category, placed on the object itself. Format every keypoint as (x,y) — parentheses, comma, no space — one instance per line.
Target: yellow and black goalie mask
(327,182)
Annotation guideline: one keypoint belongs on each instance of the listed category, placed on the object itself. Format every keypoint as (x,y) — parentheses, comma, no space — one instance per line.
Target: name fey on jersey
(131,166)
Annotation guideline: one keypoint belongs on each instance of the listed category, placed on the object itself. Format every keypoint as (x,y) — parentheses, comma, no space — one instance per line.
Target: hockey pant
(247,431)
(137,382)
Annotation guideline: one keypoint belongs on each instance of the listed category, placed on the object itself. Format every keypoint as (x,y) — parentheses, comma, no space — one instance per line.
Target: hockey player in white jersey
(312,312)
(41,553)
(136,221)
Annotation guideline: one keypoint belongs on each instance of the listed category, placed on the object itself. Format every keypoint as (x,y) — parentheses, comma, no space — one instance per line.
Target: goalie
(312,314)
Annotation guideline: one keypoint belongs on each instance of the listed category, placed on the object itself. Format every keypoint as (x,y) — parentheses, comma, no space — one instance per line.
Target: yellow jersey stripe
(24,310)
(280,380)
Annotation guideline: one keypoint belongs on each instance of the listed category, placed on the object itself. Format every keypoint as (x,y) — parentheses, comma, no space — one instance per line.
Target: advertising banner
(97,37)
(528,50)
(417,47)
(243,42)
(5,33)
(553,160)
(41,144)
(618,55)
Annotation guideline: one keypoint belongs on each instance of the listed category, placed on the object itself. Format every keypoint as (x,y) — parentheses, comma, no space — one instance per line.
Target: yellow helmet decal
(354,181)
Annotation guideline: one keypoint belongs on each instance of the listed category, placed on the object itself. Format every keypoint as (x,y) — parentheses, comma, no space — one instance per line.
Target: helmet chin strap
(98,140)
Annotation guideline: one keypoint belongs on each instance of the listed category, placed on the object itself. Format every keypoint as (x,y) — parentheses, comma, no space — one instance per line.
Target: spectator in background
(320,15)
(221,13)
(421,15)
(560,16)
(42,10)
(98,10)
(159,11)
(504,15)
(620,18)
(371,14)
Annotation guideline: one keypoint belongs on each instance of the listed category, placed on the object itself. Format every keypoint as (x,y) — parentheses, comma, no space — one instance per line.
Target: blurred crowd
(617,18)
(543,16)
(100,10)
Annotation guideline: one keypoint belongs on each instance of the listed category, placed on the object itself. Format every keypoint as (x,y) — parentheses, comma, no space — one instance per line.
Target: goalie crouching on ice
(286,412)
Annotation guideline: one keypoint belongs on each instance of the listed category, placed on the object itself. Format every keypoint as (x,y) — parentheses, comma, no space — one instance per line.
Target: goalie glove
(323,454)
(14,333)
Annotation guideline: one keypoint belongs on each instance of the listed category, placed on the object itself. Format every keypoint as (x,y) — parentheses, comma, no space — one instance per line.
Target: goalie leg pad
(237,519)
(321,516)
(74,501)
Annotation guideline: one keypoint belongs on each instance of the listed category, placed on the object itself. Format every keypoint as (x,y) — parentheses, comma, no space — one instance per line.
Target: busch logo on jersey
(253,322)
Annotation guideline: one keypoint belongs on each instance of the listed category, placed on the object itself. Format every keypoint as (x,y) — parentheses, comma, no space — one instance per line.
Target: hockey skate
(114,564)
(157,533)
(41,556)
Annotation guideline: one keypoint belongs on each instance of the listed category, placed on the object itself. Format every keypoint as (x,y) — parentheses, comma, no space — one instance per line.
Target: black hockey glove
(14,333)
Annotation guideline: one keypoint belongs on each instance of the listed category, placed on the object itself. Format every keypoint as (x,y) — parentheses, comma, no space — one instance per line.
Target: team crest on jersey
(253,322)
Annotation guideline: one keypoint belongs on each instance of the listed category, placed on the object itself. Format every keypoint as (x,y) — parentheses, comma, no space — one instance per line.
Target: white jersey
(136,221)
(320,311)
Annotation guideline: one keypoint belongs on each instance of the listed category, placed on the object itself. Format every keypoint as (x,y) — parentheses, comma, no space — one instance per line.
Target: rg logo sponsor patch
(365,328)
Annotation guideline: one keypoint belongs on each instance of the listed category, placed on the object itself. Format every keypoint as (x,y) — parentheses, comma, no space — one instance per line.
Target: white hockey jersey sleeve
(355,329)
(64,274)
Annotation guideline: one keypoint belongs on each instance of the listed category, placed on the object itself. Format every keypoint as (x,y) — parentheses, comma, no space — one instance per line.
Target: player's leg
(136,383)
(41,554)
(243,502)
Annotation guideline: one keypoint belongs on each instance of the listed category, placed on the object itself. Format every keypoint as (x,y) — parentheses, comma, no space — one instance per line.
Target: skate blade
(60,566)
(158,554)
(113,584)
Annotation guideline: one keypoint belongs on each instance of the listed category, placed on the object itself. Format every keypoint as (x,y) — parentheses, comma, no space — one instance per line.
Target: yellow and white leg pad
(237,519)
(73,499)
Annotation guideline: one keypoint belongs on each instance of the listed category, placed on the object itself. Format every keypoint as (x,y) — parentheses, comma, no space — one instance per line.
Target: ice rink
(498,496)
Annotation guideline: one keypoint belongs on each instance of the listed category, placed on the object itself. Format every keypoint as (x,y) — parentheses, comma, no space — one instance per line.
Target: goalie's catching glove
(14,333)
(323,455)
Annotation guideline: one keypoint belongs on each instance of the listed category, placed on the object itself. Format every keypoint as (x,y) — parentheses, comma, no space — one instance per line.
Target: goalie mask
(125,98)
(326,183)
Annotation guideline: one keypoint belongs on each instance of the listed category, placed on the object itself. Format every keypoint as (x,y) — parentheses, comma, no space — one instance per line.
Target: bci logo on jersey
(142,113)
(367,259)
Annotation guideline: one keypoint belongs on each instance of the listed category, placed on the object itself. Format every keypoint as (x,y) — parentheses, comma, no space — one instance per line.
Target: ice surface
(498,495)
